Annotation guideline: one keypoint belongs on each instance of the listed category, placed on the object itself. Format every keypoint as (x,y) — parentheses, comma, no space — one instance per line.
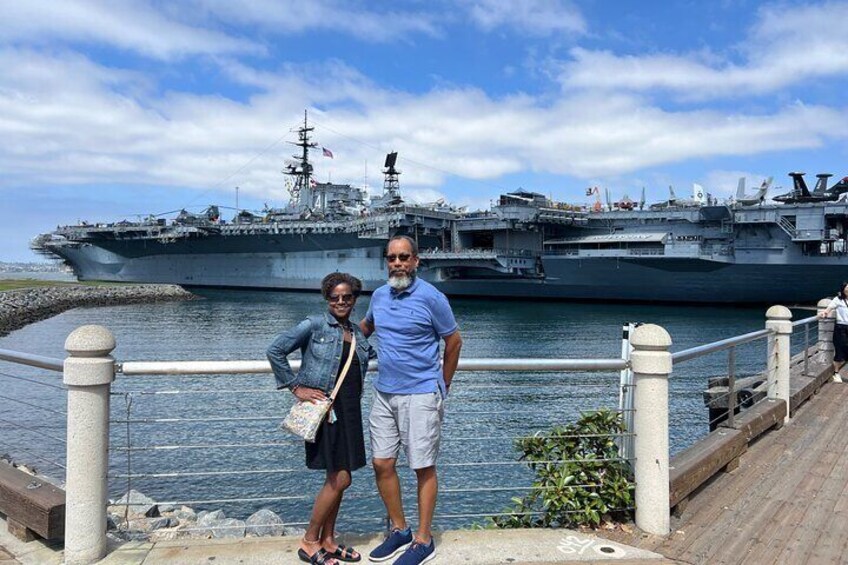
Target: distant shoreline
(21,304)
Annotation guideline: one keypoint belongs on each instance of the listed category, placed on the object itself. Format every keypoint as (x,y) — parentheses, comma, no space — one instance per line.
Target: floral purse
(305,416)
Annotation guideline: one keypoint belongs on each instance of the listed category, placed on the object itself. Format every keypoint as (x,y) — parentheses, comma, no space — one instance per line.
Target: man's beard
(401,282)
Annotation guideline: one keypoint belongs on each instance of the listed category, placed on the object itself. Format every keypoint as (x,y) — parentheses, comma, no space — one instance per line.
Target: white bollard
(651,362)
(779,320)
(88,373)
(824,356)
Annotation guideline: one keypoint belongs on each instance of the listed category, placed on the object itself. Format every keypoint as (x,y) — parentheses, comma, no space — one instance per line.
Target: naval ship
(749,250)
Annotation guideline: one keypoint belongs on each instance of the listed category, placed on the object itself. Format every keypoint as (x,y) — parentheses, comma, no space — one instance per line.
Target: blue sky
(111,109)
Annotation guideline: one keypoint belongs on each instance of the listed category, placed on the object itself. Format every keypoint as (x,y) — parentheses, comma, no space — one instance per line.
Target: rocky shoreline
(135,516)
(24,306)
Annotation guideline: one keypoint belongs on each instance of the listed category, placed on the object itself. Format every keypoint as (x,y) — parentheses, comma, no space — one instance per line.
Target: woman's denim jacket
(320,340)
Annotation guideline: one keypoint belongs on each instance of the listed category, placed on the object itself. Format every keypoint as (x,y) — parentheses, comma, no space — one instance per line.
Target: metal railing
(462,470)
(32,409)
(749,385)
(89,372)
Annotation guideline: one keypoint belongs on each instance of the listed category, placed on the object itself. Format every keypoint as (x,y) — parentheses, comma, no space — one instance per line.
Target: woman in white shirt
(840,330)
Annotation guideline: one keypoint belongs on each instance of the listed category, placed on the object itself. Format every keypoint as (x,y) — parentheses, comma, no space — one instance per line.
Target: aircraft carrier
(749,250)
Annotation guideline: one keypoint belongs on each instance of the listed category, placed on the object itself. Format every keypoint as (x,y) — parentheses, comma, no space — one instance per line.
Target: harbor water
(217,439)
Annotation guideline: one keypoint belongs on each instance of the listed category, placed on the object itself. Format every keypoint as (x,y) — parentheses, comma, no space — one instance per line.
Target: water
(215,416)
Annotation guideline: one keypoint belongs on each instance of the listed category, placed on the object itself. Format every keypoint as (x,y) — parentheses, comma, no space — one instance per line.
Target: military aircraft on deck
(800,193)
(699,198)
(626,203)
(757,198)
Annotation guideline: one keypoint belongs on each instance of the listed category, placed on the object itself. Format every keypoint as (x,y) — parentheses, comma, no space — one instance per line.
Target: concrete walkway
(466,547)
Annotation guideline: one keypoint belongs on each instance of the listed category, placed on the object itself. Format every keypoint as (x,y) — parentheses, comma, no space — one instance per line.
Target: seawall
(24,306)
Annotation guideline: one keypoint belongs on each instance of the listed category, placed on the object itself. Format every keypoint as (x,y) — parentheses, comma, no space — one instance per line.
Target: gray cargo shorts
(413,421)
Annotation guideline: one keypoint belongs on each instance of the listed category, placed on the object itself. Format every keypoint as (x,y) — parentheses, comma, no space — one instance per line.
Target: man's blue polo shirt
(409,325)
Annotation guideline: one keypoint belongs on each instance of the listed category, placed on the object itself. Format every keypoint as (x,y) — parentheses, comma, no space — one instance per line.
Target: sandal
(320,557)
(345,553)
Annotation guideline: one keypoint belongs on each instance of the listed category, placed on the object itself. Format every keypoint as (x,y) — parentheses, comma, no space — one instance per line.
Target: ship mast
(302,191)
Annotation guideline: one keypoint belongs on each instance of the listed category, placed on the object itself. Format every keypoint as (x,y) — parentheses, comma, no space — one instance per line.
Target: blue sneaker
(418,553)
(397,541)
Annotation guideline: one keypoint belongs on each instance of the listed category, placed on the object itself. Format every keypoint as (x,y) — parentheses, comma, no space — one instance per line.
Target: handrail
(482,364)
(39,361)
(700,350)
(804,321)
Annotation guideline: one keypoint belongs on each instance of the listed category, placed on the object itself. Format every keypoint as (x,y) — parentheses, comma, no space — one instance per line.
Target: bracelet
(294,388)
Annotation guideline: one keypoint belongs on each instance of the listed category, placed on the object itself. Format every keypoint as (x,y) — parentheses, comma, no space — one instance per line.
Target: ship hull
(300,270)
(666,280)
(643,280)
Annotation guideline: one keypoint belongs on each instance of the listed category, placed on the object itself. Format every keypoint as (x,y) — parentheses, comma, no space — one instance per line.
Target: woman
(840,330)
(325,343)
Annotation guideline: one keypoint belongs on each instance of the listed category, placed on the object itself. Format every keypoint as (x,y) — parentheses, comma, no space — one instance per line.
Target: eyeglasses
(404,257)
(341,298)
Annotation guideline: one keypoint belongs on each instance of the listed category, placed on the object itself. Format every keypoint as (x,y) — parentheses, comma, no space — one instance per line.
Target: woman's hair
(842,294)
(333,280)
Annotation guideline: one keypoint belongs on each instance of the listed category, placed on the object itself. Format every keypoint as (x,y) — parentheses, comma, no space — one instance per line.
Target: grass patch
(15,284)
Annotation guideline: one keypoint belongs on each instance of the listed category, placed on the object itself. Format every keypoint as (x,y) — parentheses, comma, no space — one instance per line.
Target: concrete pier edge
(470,547)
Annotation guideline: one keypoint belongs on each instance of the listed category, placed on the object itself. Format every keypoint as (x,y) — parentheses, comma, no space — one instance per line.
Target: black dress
(341,446)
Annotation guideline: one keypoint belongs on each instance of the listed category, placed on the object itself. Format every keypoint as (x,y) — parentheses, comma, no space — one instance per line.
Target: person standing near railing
(840,331)
(339,448)
(410,318)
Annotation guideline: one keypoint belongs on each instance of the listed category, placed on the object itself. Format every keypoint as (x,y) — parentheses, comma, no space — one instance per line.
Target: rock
(152,524)
(133,536)
(24,306)
(185,514)
(264,523)
(167,508)
(170,534)
(29,470)
(228,528)
(161,523)
(111,522)
(206,521)
(206,518)
(139,505)
(293,531)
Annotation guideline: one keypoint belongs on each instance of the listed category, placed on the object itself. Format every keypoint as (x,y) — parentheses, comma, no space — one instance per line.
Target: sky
(117,109)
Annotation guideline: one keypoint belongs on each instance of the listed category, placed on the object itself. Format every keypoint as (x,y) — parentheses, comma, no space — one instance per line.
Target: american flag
(327,152)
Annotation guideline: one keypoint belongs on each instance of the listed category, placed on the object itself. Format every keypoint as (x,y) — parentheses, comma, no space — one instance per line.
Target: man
(410,317)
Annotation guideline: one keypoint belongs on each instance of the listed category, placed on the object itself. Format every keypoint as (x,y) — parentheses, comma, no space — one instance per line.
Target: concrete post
(88,373)
(824,356)
(651,363)
(779,320)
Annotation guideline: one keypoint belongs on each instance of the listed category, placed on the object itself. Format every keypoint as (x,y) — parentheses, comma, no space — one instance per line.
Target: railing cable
(31,405)
(33,430)
(33,381)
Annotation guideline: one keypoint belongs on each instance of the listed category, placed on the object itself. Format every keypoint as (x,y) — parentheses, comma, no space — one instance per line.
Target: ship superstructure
(525,246)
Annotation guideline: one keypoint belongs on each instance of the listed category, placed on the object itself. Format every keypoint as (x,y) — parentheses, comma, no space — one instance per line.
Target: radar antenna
(391,184)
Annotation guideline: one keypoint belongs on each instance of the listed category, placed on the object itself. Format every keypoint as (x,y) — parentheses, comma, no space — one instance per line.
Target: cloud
(534,17)
(785,47)
(331,15)
(130,25)
(66,120)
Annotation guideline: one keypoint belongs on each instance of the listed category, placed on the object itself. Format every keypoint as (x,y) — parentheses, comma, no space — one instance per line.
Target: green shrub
(579,478)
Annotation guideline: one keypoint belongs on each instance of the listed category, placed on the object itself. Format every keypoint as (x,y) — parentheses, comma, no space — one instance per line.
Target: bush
(580,479)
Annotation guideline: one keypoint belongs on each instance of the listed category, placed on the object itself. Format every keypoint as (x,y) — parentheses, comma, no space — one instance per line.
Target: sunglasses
(346,298)
(404,257)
